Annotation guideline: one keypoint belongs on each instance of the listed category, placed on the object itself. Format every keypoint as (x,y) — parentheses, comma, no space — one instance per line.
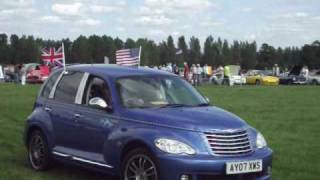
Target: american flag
(128,57)
(52,56)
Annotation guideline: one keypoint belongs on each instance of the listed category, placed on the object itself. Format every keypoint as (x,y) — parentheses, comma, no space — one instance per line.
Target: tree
(4,48)
(195,52)
(81,51)
(183,57)
(171,50)
(208,54)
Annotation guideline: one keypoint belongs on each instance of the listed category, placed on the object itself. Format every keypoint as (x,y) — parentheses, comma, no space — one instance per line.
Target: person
(23,75)
(206,71)
(275,70)
(226,78)
(194,74)
(199,73)
(186,71)
(305,72)
(175,69)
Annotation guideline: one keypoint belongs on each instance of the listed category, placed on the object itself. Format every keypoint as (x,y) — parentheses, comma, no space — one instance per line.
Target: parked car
(235,77)
(314,77)
(37,73)
(294,77)
(258,77)
(140,124)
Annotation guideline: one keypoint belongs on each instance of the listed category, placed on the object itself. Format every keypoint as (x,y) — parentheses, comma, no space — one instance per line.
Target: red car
(38,74)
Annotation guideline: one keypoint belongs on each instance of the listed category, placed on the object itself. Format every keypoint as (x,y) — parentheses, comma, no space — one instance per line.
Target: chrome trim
(60,154)
(223,144)
(232,152)
(228,140)
(227,148)
(53,90)
(91,162)
(80,91)
(81,159)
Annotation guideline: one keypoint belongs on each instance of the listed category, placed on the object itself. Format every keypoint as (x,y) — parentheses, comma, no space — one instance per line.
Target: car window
(144,92)
(67,87)
(49,84)
(96,87)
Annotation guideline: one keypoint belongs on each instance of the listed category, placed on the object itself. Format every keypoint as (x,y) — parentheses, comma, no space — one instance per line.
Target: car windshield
(164,91)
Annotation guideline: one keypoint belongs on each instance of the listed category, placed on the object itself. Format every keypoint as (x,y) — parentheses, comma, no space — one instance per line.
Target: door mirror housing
(98,103)
(207,99)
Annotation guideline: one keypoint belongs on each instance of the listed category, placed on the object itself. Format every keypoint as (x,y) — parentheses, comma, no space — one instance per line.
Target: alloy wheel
(140,167)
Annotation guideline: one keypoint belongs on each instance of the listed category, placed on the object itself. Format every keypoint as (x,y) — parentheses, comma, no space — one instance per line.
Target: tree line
(215,51)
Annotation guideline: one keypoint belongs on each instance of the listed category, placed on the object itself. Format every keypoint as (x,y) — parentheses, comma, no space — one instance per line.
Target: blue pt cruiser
(140,124)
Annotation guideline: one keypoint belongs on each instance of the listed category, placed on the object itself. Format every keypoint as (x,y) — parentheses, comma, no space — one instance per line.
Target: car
(294,77)
(259,77)
(314,77)
(37,73)
(235,77)
(142,124)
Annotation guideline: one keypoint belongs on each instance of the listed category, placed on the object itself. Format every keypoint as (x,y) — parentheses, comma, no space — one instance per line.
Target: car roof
(116,71)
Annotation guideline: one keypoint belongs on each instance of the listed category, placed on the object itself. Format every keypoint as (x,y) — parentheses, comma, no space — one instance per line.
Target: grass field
(288,116)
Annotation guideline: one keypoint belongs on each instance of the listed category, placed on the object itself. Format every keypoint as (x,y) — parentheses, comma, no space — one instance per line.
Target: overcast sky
(277,22)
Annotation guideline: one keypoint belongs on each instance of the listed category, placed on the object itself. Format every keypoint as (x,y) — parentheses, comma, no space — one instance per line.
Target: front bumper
(207,167)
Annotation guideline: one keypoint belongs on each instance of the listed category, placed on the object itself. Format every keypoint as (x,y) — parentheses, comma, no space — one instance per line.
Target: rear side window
(67,87)
(49,84)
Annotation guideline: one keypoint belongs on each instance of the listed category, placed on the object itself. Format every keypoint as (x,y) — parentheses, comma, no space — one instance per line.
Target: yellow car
(259,77)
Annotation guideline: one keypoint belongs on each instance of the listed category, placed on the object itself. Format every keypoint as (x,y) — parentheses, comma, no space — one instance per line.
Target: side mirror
(207,99)
(98,103)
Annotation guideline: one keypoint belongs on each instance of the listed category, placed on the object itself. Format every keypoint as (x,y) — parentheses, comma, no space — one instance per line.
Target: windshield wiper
(175,105)
(202,104)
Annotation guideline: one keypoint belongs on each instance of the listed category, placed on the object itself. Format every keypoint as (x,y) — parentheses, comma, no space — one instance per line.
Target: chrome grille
(229,143)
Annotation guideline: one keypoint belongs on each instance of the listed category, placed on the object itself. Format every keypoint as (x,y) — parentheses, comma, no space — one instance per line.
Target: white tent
(1,73)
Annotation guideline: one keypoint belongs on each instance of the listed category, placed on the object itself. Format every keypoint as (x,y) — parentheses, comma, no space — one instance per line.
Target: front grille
(229,143)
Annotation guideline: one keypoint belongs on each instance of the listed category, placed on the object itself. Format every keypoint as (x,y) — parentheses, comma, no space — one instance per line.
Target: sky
(276,22)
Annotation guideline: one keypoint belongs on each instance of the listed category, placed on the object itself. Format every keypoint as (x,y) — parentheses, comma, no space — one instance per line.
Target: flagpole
(139,56)
(63,58)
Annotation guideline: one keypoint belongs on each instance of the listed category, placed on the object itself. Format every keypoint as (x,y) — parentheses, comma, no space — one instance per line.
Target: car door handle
(77,115)
(47,109)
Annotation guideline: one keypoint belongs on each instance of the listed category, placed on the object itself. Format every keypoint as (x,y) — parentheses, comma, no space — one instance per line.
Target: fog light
(185,177)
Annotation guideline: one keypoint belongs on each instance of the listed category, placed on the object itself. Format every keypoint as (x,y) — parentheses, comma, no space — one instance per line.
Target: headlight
(174,147)
(261,142)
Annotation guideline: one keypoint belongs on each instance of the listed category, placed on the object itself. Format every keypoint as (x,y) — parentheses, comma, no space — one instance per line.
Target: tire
(258,82)
(38,151)
(314,82)
(141,164)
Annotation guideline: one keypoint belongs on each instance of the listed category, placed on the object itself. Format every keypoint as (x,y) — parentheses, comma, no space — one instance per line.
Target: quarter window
(49,84)
(68,86)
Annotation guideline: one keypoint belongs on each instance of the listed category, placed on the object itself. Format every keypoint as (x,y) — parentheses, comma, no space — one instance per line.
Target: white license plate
(243,167)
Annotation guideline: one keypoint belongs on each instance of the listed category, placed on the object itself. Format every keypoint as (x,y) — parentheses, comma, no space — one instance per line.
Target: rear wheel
(139,164)
(38,151)
(314,82)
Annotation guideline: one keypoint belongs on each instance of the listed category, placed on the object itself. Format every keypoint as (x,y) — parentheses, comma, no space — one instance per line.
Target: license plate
(243,167)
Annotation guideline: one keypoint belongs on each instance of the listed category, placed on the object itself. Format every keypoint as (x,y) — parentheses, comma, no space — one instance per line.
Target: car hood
(270,78)
(202,119)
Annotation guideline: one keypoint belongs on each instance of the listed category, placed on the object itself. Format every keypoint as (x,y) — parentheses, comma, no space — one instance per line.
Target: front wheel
(38,151)
(139,164)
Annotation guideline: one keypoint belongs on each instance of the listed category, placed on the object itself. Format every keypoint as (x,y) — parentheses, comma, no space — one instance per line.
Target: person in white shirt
(305,72)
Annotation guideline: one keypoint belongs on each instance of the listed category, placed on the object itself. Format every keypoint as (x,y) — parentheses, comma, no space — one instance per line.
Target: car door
(95,124)
(61,107)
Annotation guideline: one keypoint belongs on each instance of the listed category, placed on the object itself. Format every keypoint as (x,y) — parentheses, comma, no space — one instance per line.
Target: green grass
(288,116)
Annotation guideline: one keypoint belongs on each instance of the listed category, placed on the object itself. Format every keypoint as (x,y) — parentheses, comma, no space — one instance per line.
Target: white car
(235,78)
(314,78)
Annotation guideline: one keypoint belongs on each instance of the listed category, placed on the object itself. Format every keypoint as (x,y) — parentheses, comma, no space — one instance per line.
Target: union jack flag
(53,56)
